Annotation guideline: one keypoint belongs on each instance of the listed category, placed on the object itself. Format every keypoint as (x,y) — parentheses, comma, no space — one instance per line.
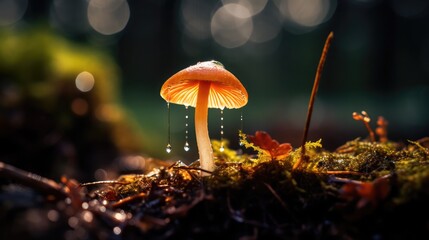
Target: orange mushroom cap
(225,89)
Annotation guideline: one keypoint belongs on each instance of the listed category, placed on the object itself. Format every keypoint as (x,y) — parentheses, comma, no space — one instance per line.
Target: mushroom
(204,85)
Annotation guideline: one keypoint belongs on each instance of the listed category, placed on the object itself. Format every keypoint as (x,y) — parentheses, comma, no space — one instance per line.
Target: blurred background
(80,80)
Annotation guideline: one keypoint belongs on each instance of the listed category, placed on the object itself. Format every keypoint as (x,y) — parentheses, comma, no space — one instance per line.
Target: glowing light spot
(11,11)
(132,162)
(108,112)
(305,13)
(85,81)
(254,6)
(53,215)
(85,205)
(73,222)
(102,209)
(196,18)
(120,216)
(94,203)
(117,230)
(79,106)
(168,148)
(266,26)
(108,16)
(238,10)
(87,216)
(232,25)
(186,147)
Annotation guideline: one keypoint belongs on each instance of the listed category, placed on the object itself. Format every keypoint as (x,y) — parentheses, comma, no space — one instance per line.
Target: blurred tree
(59,111)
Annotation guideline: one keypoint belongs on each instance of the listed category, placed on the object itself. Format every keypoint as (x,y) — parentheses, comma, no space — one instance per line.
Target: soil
(362,190)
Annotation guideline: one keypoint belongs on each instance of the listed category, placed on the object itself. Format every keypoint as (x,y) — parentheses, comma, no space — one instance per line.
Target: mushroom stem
(201,127)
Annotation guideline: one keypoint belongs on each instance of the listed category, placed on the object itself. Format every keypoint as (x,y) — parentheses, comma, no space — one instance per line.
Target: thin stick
(108,182)
(313,96)
(43,185)
(284,205)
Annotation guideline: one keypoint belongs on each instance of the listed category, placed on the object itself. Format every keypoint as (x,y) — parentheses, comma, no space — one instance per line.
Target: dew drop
(186,147)
(168,148)
(241,120)
(221,149)
(221,125)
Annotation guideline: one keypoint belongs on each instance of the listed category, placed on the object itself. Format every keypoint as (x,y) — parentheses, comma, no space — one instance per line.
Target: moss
(362,190)
(359,181)
(46,117)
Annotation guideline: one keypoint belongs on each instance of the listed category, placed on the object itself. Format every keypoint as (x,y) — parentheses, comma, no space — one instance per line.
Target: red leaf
(281,151)
(264,141)
(366,193)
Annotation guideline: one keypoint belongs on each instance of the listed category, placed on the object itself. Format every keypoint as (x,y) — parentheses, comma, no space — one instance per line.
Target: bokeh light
(108,112)
(117,230)
(11,11)
(79,106)
(266,26)
(302,15)
(254,6)
(53,215)
(232,25)
(195,15)
(108,16)
(85,81)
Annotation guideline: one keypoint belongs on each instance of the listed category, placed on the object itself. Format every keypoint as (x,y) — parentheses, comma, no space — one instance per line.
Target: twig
(32,180)
(109,182)
(194,168)
(129,199)
(276,196)
(381,130)
(364,117)
(313,96)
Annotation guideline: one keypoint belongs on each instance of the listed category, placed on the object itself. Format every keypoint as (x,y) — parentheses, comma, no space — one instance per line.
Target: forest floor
(362,190)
